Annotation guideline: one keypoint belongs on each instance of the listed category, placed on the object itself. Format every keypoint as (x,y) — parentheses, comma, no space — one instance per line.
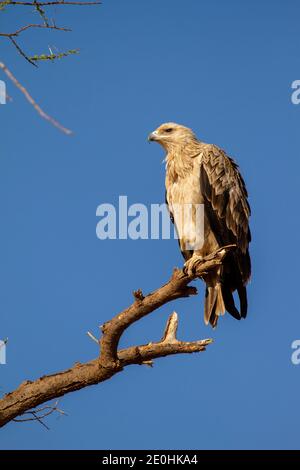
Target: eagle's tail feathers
(214,304)
(210,300)
(220,305)
(229,303)
(242,291)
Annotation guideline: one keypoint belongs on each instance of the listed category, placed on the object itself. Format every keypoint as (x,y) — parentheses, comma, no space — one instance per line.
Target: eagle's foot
(190,266)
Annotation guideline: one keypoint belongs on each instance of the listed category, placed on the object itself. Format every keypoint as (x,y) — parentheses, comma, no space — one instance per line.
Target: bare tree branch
(28,26)
(43,4)
(39,414)
(32,101)
(38,8)
(21,52)
(29,395)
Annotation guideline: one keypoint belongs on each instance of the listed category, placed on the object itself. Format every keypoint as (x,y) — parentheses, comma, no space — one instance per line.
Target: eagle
(199,174)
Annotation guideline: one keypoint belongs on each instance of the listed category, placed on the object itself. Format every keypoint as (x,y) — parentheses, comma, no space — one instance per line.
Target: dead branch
(32,101)
(29,395)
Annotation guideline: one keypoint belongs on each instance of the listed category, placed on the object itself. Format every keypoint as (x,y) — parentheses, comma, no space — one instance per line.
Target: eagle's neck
(180,160)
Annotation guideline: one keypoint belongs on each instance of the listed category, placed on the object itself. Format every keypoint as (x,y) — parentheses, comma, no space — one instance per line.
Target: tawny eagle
(202,175)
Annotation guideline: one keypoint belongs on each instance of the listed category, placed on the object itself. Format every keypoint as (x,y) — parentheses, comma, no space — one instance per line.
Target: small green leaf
(60,55)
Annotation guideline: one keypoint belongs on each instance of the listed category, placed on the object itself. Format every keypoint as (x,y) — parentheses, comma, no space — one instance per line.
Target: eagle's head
(171,135)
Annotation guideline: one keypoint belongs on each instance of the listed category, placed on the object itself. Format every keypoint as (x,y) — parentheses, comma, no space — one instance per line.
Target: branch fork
(112,360)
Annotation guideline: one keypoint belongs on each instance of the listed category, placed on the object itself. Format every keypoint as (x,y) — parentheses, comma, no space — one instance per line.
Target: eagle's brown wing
(228,211)
(223,186)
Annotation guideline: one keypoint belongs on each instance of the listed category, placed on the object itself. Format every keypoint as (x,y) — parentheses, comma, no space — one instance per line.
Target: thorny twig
(39,417)
(33,25)
(38,7)
(21,52)
(45,4)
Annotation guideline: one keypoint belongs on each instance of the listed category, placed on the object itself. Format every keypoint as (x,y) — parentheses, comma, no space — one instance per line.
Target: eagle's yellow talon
(191,264)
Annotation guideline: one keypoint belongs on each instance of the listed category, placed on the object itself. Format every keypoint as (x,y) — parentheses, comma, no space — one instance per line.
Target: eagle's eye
(170,129)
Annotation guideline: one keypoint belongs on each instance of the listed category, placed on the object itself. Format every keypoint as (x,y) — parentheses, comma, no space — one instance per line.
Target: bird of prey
(202,175)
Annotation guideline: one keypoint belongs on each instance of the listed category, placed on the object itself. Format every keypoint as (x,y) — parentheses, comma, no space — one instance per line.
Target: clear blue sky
(225,69)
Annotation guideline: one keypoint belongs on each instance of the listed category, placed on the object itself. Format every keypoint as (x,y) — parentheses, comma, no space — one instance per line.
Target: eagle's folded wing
(224,188)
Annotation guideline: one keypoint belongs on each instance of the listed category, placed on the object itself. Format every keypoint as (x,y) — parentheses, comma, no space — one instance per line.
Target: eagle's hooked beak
(153,136)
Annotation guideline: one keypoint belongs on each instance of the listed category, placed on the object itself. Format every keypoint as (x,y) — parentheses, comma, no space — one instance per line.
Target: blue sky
(225,69)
